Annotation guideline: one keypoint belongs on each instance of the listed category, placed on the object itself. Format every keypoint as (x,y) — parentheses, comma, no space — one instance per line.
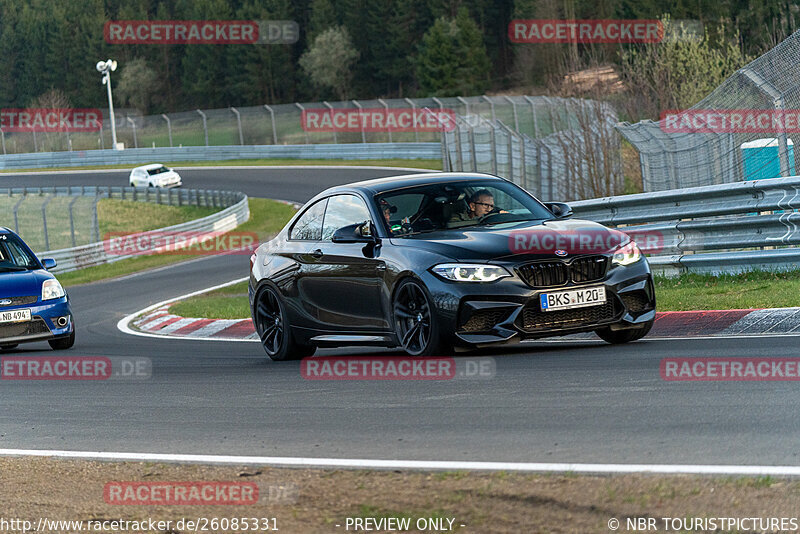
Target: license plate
(573,298)
(15,316)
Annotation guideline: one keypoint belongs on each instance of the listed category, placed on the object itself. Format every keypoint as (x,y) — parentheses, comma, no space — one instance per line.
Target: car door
(298,264)
(346,286)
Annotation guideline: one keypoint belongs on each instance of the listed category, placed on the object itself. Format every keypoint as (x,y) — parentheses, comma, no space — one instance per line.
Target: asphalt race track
(287,183)
(548,402)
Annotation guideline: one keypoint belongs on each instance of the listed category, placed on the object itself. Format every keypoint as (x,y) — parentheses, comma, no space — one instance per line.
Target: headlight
(51,289)
(463,272)
(627,254)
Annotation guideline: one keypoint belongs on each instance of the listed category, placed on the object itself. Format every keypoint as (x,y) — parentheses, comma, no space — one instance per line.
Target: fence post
(414,113)
(133,125)
(169,127)
(360,120)
(514,110)
(533,112)
(72,220)
(44,223)
(16,207)
(386,107)
(333,123)
(274,131)
(102,141)
(95,220)
(491,105)
(3,137)
(239,123)
(302,109)
(493,143)
(205,125)
(457,138)
(441,107)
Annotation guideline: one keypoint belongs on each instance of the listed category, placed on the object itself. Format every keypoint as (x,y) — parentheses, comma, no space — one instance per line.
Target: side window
(343,210)
(309,226)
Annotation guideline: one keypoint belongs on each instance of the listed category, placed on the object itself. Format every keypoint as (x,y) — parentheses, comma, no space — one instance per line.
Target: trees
(452,58)
(329,61)
(679,71)
(137,85)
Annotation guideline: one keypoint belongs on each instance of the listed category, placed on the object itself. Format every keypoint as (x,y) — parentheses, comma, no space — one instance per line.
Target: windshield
(14,256)
(157,170)
(455,205)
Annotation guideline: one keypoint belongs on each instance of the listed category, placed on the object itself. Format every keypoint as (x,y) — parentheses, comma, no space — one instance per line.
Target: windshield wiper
(13,268)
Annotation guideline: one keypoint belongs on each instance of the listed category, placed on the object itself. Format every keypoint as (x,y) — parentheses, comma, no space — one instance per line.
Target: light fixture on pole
(106,68)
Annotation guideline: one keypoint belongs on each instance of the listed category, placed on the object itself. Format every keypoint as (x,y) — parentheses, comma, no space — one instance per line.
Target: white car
(154,175)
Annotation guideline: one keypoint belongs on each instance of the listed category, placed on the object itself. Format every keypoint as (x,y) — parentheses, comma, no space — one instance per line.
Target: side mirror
(355,233)
(559,209)
(49,263)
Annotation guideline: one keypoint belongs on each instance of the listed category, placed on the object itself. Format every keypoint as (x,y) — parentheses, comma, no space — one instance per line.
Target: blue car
(33,305)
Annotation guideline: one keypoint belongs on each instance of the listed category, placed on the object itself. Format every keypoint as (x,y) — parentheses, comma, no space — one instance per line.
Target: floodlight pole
(111,110)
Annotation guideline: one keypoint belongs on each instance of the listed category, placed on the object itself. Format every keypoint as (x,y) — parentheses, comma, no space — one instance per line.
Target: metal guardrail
(727,228)
(236,211)
(213,153)
(50,218)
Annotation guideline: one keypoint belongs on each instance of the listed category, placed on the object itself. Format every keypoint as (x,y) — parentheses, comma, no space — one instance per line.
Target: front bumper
(508,310)
(42,326)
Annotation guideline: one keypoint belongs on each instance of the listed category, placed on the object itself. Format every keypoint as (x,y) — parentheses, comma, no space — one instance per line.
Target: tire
(274,330)
(617,337)
(12,346)
(62,343)
(415,322)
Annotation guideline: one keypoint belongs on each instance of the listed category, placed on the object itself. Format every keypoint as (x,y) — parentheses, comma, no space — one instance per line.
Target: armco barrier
(132,156)
(236,213)
(748,225)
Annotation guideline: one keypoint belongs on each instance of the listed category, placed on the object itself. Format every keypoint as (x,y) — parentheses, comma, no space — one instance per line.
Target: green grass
(225,303)
(756,289)
(267,217)
(127,216)
(432,164)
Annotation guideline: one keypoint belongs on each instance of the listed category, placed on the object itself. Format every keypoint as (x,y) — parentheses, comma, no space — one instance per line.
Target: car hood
(22,283)
(165,176)
(519,241)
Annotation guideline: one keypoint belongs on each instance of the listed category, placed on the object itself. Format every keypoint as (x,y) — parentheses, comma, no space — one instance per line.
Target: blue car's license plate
(15,316)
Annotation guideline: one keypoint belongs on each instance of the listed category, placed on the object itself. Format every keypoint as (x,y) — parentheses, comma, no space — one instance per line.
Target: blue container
(760,158)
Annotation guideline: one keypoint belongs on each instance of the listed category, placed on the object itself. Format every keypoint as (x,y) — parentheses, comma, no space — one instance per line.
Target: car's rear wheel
(624,336)
(415,322)
(11,346)
(274,330)
(62,343)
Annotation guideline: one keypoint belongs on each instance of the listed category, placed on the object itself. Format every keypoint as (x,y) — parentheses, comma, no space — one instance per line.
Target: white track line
(282,461)
(123,324)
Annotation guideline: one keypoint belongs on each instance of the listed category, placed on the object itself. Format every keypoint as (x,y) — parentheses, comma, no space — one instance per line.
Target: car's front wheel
(62,343)
(274,329)
(624,336)
(415,322)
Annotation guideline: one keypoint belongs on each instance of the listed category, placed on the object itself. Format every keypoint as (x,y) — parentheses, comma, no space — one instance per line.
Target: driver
(481,203)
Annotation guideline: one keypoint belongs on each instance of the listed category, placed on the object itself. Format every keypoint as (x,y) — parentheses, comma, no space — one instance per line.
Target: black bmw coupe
(440,261)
